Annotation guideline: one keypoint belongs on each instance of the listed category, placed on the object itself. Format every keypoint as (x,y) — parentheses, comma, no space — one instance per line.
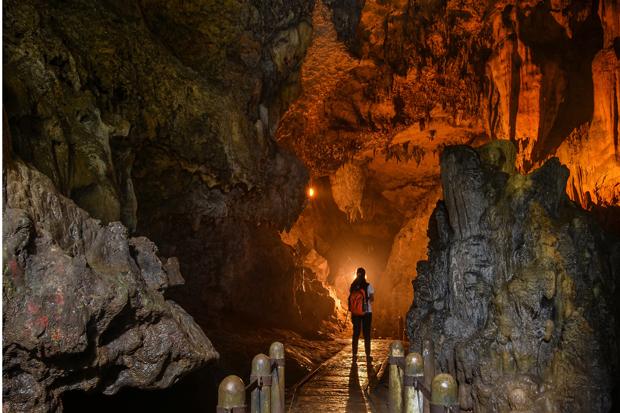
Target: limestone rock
(533,93)
(160,114)
(393,288)
(539,73)
(83,307)
(539,96)
(318,264)
(591,152)
(346,16)
(417,76)
(517,292)
(347,186)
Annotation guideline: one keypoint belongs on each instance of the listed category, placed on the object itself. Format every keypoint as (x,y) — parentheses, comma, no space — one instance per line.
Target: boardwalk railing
(266,386)
(410,378)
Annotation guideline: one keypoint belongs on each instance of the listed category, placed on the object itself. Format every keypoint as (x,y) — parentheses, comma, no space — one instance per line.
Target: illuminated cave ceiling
(431,73)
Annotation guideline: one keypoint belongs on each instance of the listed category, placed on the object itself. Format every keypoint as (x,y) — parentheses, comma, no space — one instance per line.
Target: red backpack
(357,302)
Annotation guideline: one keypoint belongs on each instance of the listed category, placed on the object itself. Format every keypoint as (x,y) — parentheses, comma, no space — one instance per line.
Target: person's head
(361,273)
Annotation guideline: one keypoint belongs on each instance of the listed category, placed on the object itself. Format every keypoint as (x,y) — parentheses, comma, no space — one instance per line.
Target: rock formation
(542,74)
(517,291)
(390,84)
(324,236)
(160,115)
(83,303)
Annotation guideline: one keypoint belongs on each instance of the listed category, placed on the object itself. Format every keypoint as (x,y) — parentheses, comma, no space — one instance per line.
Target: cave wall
(518,289)
(83,303)
(542,74)
(147,118)
(534,71)
(333,245)
(552,83)
(391,84)
(161,115)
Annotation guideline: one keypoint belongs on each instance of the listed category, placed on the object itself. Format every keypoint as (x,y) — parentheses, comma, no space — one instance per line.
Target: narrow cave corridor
(187,182)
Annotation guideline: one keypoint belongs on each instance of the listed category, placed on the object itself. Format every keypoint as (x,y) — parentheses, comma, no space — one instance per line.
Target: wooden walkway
(343,386)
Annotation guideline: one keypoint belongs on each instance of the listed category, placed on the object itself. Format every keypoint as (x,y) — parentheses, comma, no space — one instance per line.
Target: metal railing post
(231,396)
(414,372)
(276,353)
(261,395)
(444,394)
(428,355)
(397,364)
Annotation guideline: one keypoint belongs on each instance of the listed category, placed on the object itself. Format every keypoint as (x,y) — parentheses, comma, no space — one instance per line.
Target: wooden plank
(340,384)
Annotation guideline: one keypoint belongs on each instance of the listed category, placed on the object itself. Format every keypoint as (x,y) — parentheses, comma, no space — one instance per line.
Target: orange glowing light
(311,192)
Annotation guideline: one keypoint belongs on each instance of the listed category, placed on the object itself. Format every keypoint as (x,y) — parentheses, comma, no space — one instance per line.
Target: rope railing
(409,381)
(266,386)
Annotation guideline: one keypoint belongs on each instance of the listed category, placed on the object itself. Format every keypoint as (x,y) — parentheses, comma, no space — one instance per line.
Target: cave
(186,182)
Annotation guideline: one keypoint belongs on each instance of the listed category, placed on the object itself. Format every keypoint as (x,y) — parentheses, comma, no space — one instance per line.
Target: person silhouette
(361,296)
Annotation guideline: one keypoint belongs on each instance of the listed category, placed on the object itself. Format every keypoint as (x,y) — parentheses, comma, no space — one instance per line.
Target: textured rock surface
(394,287)
(517,292)
(562,103)
(347,185)
(160,115)
(324,236)
(597,181)
(388,85)
(83,304)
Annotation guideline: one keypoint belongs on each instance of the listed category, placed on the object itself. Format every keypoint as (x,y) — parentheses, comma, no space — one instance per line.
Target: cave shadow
(575,56)
(196,392)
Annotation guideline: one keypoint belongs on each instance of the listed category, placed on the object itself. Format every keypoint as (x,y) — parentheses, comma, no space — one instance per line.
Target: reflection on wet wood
(342,385)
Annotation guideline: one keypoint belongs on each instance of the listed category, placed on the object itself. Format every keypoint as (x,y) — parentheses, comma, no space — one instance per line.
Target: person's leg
(357,325)
(367,329)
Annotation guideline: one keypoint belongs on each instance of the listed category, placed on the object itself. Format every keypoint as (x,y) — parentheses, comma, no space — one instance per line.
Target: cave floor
(340,385)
